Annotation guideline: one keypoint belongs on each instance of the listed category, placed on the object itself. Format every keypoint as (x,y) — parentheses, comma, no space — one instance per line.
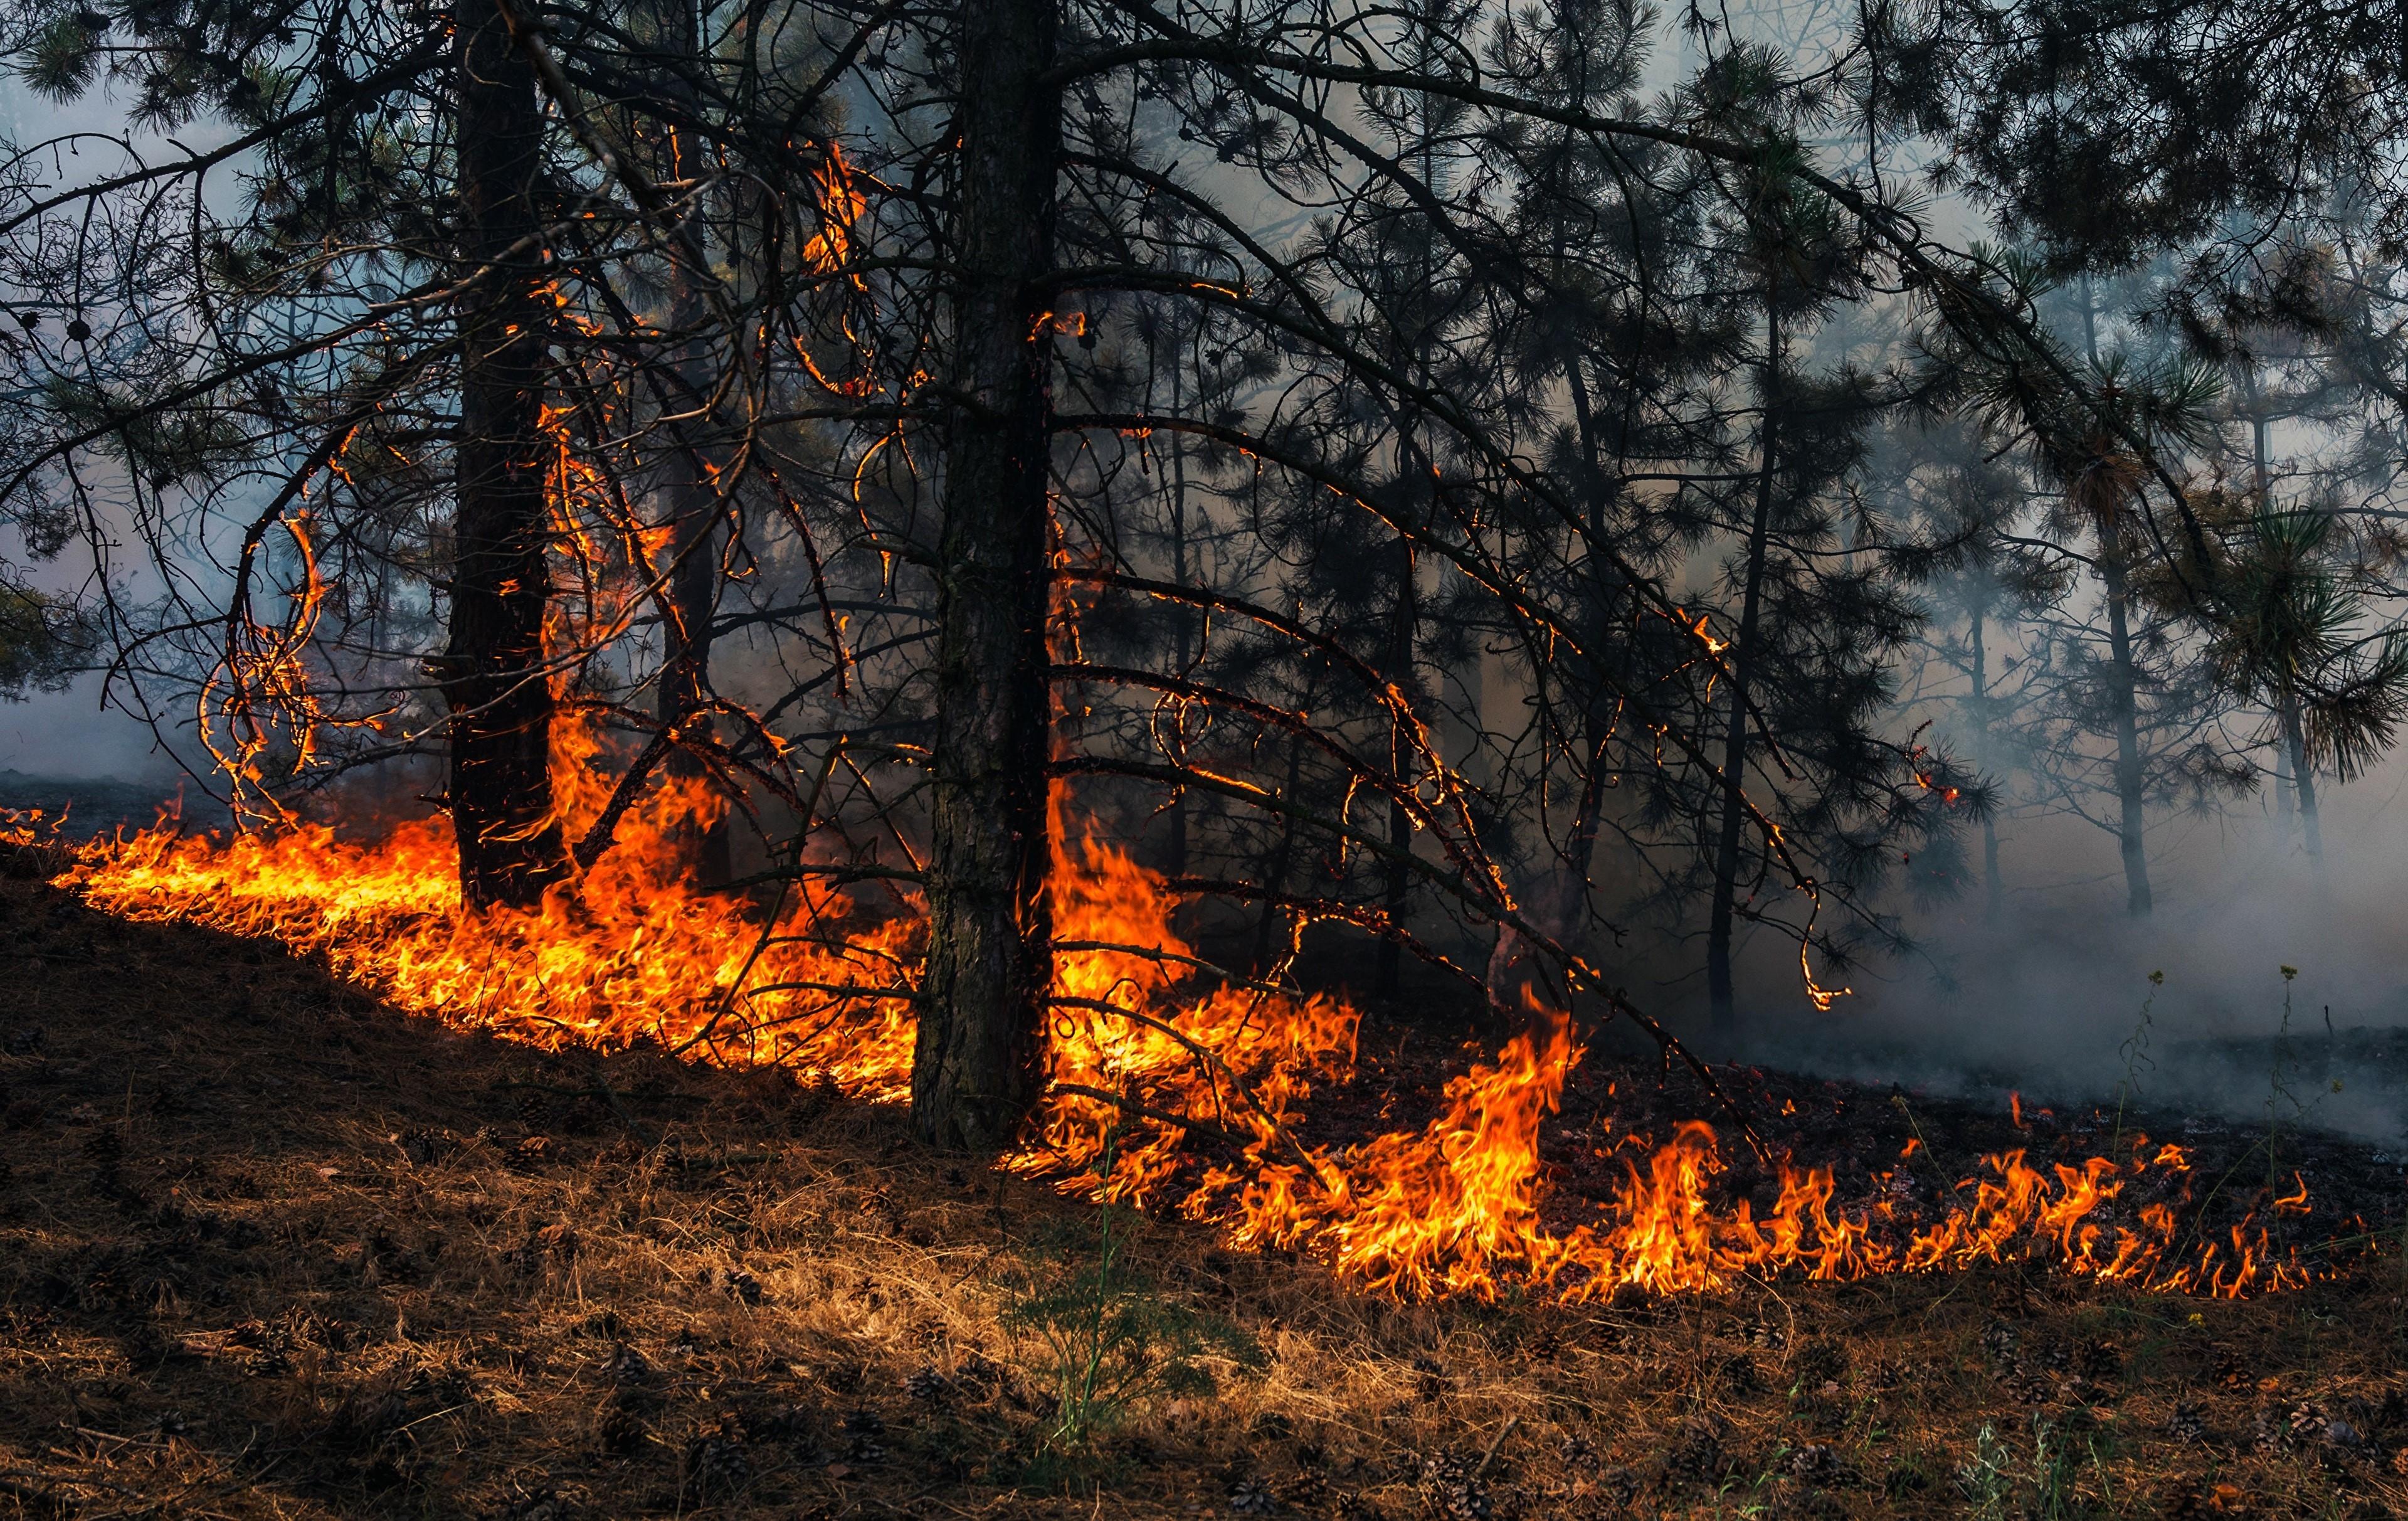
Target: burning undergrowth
(272,1249)
(1241,1104)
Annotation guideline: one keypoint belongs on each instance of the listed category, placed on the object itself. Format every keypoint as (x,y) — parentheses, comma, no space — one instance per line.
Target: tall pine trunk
(975,1074)
(493,677)
(1721,991)
(1181,624)
(687,491)
(1404,627)
(2123,693)
(1993,886)
(2295,745)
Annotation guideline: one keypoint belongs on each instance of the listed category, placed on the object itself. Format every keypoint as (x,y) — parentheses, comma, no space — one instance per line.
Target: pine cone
(1818,1462)
(1251,1497)
(1822,1361)
(1696,1449)
(1999,1339)
(1308,1487)
(2100,1359)
(862,1427)
(1451,1486)
(620,1431)
(2267,1435)
(2183,1503)
(716,1463)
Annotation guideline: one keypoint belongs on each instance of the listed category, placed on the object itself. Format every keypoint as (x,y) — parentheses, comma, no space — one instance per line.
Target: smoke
(2051,993)
(68,735)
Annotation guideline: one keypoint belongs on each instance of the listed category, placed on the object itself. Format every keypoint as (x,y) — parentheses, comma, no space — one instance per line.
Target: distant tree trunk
(2295,745)
(688,494)
(975,1074)
(2291,782)
(2123,692)
(1721,991)
(1181,625)
(1596,710)
(1993,889)
(1403,628)
(493,677)
(1275,876)
(2284,788)
(692,602)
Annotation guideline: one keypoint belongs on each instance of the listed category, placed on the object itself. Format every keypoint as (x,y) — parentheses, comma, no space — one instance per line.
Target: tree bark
(1721,991)
(1993,886)
(1275,875)
(2123,691)
(1181,624)
(492,677)
(975,1072)
(1404,627)
(688,494)
(2295,744)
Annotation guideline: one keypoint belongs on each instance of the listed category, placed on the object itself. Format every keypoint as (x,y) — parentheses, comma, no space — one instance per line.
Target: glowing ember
(1143,1035)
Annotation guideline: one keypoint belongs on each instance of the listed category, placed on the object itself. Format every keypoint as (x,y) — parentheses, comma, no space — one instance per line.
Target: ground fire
(1146,1036)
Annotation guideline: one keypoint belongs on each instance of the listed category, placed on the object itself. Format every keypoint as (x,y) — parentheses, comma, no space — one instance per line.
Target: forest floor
(270,1249)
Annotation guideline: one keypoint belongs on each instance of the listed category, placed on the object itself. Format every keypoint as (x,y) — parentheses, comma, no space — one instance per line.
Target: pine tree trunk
(1181,624)
(1993,888)
(2123,691)
(692,603)
(1404,625)
(1275,875)
(2283,789)
(2295,744)
(687,493)
(494,683)
(975,1074)
(1598,713)
(1721,990)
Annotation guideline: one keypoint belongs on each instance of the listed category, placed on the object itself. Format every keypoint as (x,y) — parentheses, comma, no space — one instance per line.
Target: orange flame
(1152,1054)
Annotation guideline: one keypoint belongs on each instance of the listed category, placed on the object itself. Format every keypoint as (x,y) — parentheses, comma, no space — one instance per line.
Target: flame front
(1156,1060)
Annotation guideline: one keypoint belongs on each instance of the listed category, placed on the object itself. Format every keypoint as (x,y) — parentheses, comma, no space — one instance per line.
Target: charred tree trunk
(1721,992)
(975,1074)
(2123,693)
(493,670)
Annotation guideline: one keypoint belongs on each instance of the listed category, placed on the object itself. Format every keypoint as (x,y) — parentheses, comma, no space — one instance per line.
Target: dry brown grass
(268,1249)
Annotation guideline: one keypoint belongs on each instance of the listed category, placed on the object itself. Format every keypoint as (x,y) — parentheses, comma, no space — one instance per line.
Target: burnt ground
(270,1249)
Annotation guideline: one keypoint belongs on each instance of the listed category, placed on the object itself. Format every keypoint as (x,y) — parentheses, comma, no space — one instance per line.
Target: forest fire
(1145,1035)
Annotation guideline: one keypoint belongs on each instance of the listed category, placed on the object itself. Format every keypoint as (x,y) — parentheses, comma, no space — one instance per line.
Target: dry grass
(273,1250)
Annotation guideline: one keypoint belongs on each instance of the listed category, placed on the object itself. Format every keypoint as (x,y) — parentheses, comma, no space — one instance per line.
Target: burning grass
(272,1248)
(1201,1090)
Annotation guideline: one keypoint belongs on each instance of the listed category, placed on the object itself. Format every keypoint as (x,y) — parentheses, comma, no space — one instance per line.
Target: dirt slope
(269,1249)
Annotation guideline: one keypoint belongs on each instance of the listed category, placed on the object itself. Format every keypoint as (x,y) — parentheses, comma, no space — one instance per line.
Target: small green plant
(2055,1465)
(1112,1335)
(1989,1479)
(2000,1484)
(2135,1052)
